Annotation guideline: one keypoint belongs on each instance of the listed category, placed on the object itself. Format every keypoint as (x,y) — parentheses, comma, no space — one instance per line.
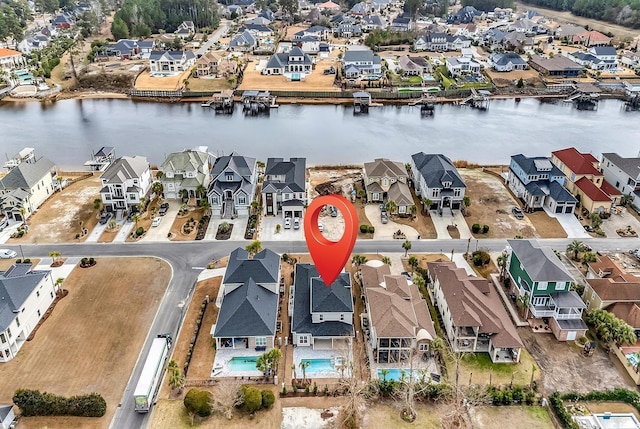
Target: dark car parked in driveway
(104,218)
(517,213)
(163,209)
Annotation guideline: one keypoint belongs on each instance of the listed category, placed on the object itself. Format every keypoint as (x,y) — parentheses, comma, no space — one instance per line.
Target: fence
(155,94)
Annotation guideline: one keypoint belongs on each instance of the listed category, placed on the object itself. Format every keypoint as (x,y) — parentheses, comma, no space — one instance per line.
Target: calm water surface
(68,131)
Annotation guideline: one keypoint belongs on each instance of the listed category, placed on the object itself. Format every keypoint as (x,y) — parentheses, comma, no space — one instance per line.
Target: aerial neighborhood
(399,316)
(170,288)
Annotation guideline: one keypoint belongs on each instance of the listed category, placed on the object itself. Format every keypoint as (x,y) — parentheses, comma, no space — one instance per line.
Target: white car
(296,223)
(7,254)
(156,221)
(287,223)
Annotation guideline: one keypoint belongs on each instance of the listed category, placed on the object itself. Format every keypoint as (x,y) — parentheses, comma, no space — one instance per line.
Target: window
(456,192)
(18,322)
(261,341)
(286,197)
(542,286)
(215,200)
(3,338)
(107,197)
(303,339)
(242,200)
(424,347)
(9,332)
(229,177)
(385,182)
(375,196)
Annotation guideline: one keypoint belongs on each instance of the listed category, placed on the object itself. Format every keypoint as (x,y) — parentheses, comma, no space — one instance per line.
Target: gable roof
(293,170)
(536,164)
(631,166)
(16,285)
(627,311)
(558,63)
(357,55)
(579,163)
(282,59)
(591,190)
(400,194)
(311,294)
(540,263)
(508,57)
(27,174)
(125,168)
(243,39)
(4,52)
(472,301)
(187,160)
(382,167)
(263,268)
(437,168)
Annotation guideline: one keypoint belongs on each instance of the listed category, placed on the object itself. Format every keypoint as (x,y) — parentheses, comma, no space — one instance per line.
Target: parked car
(406,275)
(287,223)
(383,208)
(7,254)
(163,209)
(296,223)
(320,227)
(3,223)
(517,213)
(156,221)
(384,218)
(104,218)
(588,228)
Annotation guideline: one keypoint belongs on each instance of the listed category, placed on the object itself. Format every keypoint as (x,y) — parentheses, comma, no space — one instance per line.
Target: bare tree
(227,397)
(354,389)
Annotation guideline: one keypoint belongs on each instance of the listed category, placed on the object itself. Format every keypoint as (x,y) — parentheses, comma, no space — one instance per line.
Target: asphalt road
(188,259)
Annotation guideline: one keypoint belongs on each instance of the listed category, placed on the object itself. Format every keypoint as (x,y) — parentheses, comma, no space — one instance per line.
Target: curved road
(188,259)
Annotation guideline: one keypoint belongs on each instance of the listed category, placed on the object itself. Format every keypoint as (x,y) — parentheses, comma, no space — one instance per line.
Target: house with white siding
(26,187)
(124,183)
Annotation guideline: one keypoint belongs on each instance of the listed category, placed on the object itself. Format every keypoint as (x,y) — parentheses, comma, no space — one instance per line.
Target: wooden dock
(478,99)
(361,103)
(257,102)
(221,102)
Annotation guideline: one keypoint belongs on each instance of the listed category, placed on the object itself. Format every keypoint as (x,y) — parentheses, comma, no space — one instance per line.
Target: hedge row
(561,412)
(615,395)
(35,403)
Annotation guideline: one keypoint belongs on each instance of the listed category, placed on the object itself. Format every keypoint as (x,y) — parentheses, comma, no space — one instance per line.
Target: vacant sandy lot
(166,83)
(93,338)
(519,417)
(508,78)
(60,218)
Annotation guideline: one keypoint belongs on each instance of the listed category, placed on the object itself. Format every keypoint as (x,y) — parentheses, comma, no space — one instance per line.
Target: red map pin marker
(329,256)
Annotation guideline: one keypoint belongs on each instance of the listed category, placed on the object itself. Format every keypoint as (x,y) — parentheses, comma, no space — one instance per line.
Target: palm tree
(205,205)
(135,218)
(406,246)
(358,260)
(523,304)
(201,191)
(502,264)
(303,366)
(466,201)
(413,210)
(575,247)
(413,263)
(184,195)
(157,188)
(254,247)
(55,255)
(384,373)
(426,204)
(386,260)
(293,367)
(58,284)
(392,207)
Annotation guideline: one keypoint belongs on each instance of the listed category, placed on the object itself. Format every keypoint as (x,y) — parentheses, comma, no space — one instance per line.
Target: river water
(68,131)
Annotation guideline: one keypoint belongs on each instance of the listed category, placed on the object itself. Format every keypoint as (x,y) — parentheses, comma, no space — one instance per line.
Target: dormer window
(229,177)
(446,184)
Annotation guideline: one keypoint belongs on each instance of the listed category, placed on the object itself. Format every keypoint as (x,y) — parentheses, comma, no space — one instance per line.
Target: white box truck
(151,375)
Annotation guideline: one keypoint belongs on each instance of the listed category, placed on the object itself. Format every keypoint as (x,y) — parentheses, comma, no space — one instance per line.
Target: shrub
(315,389)
(139,231)
(480,258)
(35,403)
(252,399)
(371,229)
(561,412)
(198,402)
(530,398)
(364,228)
(284,389)
(485,229)
(475,228)
(268,398)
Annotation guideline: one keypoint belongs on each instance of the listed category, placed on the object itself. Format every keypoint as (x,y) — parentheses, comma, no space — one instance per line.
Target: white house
(361,62)
(462,65)
(125,182)
(233,184)
(506,62)
(26,296)
(437,179)
(623,174)
(10,59)
(171,62)
(283,190)
(26,187)
(295,64)
(322,316)
(188,170)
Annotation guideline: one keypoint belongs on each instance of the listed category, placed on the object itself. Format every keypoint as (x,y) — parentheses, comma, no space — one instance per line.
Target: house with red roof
(10,59)
(592,38)
(585,181)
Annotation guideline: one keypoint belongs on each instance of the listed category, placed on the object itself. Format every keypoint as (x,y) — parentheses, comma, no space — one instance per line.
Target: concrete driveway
(237,233)
(123,233)
(619,221)
(268,230)
(96,232)
(8,230)
(385,231)
(161,232)
(441,223)
(570,224)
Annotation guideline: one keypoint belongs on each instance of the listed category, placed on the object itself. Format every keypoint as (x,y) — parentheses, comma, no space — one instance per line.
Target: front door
(269,203)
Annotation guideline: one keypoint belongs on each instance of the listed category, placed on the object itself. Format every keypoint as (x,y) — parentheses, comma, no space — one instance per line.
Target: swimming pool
(318,365)
(396,374)
(632,358)
(243,363)
(295,76)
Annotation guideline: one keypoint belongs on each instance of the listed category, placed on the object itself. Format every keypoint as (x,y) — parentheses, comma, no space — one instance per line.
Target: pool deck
(429,367)
(300,353)
(221,363)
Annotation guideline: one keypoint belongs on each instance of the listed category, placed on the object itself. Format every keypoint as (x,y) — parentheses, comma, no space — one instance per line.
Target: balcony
(540,311)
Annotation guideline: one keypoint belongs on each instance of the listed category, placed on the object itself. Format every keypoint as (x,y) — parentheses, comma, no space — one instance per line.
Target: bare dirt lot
(92,339)
(565,369)
(60,218)
(519,417)
(501,79)
(166,83)
(385,415)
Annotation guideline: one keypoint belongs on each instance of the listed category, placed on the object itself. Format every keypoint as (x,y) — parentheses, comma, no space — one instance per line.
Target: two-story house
(538,275)
(399,320)
(599,58)
(26,187)
(437,179)
(124,183)
(438,42)
(243,42)
(319,31)
(610,287)
(283,190)
(585,181)
(185,29)
(188,170)
(361,62)
(623,174)
(171,62)
(462,65)
(322,315)
(386,180)
(249,308)
(294,65)
(539,184)
(11,60)
(472,313)
(232,186)
(25,297)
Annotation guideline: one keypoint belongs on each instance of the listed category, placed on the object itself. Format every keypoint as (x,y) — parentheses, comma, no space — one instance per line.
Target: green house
(537,273)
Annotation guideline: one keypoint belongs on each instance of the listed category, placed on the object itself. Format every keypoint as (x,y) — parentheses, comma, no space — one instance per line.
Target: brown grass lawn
(546,227)
(203,84)
(177,233)
(514,417)
(423,259)
(166,83)
(60,218)
(93,338)
(385,415)
(109,234)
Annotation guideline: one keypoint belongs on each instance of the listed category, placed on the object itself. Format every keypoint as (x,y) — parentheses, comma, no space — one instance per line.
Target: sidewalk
(62,271)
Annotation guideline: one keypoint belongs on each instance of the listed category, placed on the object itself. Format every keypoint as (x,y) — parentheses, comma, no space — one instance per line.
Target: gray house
(361,62)
(287,63)
(436,178)
(243,42)
(233,184)
(387,180)
(249,309)
(186,170)
(26,187)
(322,316)
(283,190)
(623,174)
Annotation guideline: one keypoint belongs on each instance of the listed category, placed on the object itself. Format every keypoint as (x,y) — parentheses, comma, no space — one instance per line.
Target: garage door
(559,209)
(571,336)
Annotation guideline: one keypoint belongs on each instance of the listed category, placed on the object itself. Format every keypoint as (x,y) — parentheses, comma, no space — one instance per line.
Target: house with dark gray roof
(386,180)
(437,179)
(233,185)
(188,170)
(294,62)
(249,308)
(243,42)
(539,277)
(283,190)
(506,62)
(171,62)
(316,30)
(7,417)
(25,296)
(539,184)
(623,174)
(125,182)
(26,187)
(322,316)
(361,62)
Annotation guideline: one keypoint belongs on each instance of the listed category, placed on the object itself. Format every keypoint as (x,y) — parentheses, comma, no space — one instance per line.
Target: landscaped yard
(180,231)
(63,216)
(477,368)
(92,339)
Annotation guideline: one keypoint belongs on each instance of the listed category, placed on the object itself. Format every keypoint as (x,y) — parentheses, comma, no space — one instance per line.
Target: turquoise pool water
(632,358)
(396,374)
(295,76)
(319,365)
(247,363)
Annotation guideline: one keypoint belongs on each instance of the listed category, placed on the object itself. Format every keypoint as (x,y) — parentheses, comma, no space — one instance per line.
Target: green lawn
(478,368)
(513,417)
(409,80)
